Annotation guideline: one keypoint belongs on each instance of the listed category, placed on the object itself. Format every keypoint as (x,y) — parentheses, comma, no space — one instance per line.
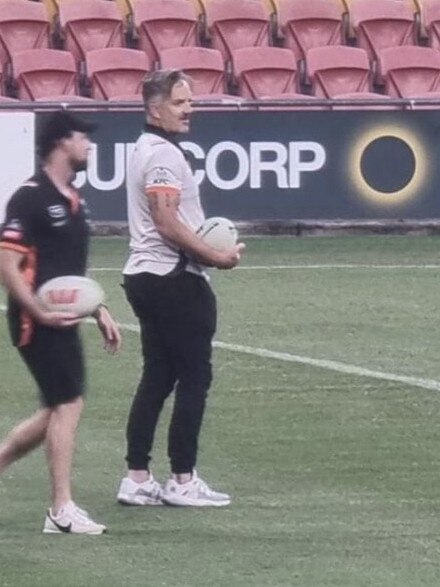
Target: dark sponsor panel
(286,165)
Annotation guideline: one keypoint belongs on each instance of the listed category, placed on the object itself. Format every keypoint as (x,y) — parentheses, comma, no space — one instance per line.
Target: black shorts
(55,359)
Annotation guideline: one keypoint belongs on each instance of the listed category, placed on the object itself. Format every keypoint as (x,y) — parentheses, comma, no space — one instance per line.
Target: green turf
(335,477)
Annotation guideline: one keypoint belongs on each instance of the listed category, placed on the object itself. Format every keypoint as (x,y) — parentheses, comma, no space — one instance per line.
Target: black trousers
(177,316)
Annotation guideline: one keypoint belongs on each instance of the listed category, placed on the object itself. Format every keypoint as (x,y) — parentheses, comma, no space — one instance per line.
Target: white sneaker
(71,520)
(193,493)
(148,493)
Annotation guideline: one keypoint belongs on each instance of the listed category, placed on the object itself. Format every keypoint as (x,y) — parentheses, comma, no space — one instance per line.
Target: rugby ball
(71,293)
(219,233)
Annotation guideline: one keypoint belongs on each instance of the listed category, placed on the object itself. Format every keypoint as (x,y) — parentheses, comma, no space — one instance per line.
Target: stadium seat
(413,4)
(379,24)
(264,71)
(311,23)
(343,73)
(270,6)
(90,24)
(234,24)
(116,72)
(343,4)
(164,24)
(410,72)
(338,70)
(430,21)
(52,6)
(23,25)
(205,66)
(44,74)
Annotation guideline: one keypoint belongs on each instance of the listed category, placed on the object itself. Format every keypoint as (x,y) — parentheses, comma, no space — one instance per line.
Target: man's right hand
(57,319)
(230,258)
(12,279)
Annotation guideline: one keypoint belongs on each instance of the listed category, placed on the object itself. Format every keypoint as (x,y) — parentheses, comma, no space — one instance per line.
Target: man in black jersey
(45,235)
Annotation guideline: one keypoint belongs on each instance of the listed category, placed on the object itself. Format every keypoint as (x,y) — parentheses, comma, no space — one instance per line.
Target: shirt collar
(44,180)
(168,136)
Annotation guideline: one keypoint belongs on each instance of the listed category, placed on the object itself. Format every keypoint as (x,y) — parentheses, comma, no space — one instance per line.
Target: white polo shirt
(159,163)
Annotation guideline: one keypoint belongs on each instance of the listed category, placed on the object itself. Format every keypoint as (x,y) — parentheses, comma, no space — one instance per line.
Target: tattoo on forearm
(153,201)
(168,200)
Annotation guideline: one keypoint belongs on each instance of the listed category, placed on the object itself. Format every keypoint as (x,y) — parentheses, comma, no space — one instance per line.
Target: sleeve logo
(162,176)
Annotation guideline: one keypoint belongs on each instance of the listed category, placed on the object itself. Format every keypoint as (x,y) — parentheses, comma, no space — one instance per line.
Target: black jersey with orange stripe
(49,229)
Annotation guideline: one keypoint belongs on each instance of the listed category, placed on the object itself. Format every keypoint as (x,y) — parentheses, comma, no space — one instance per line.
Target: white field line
(430,384)
(284,267)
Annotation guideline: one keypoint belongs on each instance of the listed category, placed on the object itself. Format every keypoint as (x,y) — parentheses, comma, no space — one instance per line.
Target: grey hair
(160,83)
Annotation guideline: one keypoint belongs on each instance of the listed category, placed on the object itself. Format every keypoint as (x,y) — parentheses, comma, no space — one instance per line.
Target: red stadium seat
(379,24)
(343,73)
(23,25)
(44,74)
(234,24)
(204,66)
(116,72)
(410,71)
(311,23)
(264,71)
(164,24)
(90,24)
(338,70)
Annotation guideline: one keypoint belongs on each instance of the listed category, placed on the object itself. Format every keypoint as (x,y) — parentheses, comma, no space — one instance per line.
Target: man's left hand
(109,330)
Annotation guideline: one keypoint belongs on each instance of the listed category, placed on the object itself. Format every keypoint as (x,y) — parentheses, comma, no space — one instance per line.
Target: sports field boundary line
(339,367)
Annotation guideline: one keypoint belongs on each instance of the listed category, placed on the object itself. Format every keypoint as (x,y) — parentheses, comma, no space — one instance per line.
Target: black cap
(58,126)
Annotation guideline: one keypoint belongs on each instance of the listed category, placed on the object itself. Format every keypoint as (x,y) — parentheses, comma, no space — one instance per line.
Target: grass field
(323,422)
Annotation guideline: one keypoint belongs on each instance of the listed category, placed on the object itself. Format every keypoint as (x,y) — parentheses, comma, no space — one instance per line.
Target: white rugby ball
(71,293)
(219,233)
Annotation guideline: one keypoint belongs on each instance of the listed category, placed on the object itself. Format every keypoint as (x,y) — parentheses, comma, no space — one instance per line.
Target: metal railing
(231,104)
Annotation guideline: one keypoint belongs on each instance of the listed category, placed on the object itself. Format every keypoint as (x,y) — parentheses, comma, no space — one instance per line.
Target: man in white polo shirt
(167,287)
